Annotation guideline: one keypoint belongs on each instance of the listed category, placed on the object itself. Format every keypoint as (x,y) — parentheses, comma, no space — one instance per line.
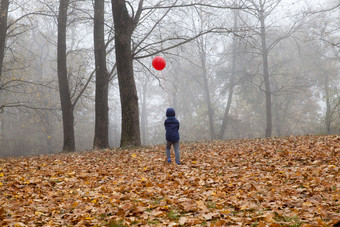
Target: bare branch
(185,40)
(151,30)
(83,89)
(138,13)
(326,10)
(194,5)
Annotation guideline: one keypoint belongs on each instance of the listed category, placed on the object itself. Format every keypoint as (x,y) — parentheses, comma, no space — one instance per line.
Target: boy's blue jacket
(171,126)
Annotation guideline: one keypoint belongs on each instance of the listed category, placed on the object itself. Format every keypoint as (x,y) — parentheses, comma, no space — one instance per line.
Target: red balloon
(158,63)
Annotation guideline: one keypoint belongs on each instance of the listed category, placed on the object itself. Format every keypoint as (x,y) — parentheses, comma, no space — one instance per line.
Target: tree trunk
(208,101)
(232,81)
(144,115)
(226,113)
(3,31)
(328,105)
(278,115)
(64,91)
(266,77)
(207,92)
(101,138)
(124,26)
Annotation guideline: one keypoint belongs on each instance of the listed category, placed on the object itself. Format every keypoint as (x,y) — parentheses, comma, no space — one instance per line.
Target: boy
(172,135)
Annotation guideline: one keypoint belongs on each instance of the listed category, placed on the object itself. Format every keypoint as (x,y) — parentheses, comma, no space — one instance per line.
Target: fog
(230,67)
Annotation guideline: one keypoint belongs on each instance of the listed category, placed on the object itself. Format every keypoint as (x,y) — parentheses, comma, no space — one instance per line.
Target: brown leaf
(289,179)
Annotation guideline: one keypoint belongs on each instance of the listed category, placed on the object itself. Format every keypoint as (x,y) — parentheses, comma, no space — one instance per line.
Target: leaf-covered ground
(291,181)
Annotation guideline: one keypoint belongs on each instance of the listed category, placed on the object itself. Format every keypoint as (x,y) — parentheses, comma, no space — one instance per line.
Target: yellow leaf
(193,162)
(165,207)
(1,174)
(37,213)
(89,218)
(307,204)
(94,201)
(244,207)
(133,155)
(1,184)
(225,211)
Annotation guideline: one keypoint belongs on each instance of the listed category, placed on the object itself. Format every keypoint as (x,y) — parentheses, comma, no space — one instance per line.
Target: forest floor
(293,181)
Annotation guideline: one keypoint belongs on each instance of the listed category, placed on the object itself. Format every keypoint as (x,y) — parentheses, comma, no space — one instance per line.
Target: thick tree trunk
(64,91)
(124,26)
(101,138)
(266,78)
(3,31)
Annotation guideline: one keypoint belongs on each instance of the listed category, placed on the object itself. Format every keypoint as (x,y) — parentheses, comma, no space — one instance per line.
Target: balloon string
(166,89)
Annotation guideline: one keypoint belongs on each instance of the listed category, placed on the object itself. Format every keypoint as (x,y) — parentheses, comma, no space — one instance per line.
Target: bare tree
(203,57)
(124,25)
(144,110)
(202,43)
(326,30)
(261,10)
(3,30)
(101,138)
(232,78)
(64,90)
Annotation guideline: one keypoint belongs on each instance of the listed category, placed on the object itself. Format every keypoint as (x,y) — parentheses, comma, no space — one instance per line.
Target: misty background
(230,65)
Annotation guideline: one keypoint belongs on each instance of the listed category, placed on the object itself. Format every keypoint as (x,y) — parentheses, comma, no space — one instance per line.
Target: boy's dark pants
(176,148)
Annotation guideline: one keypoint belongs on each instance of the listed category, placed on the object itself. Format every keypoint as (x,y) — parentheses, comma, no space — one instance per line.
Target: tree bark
(64,91)
(124,25)
(101,138)
(268,132)
(3,31)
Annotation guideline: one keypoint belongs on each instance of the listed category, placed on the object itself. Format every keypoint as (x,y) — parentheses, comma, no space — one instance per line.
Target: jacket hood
(170,112)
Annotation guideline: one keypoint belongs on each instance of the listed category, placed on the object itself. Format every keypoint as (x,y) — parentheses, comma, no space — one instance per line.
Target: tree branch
(213,30)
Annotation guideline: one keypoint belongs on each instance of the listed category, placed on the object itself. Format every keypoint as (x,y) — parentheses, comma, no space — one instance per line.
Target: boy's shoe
(178,162)
(169,160)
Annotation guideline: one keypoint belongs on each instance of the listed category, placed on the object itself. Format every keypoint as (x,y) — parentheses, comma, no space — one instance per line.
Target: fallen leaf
(220,183)
(182,220)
